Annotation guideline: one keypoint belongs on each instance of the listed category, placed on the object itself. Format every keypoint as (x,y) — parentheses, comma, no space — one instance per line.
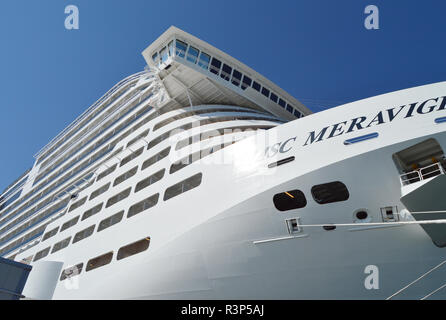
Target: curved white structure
(199,178)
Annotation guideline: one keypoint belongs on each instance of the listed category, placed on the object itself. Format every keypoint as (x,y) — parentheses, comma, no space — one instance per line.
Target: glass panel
(133,248)
(215,66)
(246,82)
(330,192)
(181,48)
(204,60)
(265,92)
(99,261)
(163,54)
(155,57)
(289,108)
(297,113)
(71,272)
(289,200)
(143,205)
(273,97)
(236,77)
(192,54)
(83,234)
(110,221)
(226,72)
(282,103)
(256,86)
(183,186)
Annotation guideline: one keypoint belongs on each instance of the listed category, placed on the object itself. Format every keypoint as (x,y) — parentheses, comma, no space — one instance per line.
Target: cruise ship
(199,178)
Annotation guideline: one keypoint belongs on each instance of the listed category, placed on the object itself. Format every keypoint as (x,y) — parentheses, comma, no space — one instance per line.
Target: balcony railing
(423,173)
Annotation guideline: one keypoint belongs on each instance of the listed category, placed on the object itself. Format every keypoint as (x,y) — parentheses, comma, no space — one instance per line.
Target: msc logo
(280,147)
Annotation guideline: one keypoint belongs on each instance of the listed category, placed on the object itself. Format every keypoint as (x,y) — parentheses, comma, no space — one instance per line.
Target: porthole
(361,215)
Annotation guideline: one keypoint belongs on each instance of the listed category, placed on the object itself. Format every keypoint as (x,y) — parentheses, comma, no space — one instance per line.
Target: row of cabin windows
(225,71)
(172,191)
(324,193)
(102,260)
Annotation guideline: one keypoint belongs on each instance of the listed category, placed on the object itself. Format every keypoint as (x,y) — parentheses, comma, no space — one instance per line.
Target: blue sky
(319,51)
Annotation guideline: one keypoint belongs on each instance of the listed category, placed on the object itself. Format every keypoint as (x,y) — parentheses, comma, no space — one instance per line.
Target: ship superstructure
(200,178)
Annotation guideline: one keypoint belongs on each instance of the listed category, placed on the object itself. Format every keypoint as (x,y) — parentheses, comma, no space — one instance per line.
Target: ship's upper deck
(194,72)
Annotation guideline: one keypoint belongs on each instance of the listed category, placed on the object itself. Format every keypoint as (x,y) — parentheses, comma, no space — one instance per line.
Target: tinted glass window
(114,219)
(170,47)
(99,261)
(297,113)
(256,86)
(71,272)
(226,72)
(330,192)
(106,172)
(282,103)
(180,48)
(143,205)
(289,108)
(289,200)
(99,191)
(273,97)
(236,78)
(125,176)
(132,156)
(83,234)
(92,211)
(192,55)
(149,180)
(265,92)
(215,66)
(204,60)
(120,196)
(183,186)
(42,254)
(69,223)
(133,248)
(246,82)
(77,204)
(50,234)
(60,245)
(159,156)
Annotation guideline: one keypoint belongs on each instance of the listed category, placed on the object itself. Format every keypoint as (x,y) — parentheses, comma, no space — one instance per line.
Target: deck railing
(423,173)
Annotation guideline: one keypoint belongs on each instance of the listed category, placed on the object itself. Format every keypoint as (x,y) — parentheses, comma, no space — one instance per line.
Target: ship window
(183,186)
(61,244)
(204,60)
(265,92)
(106,172)
(282,103)
(50,234)
(41,254)
(71,272)
(125,176)
(110,221)
(134,248)
(246,82)
(181,48)
(330,192)
(273,97)
(215,66)
(116,198)
(99,261)
(77,204)
(99,191)
(170,48)
(289,108)
(83,234)
(69,223)
(256,86)
(91,212)
(236,78)
(163,54)
(159,156)
(226,72)
(192,54)
(297,113)
(143,205)
(132,156)
(289,200)
(149,180)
